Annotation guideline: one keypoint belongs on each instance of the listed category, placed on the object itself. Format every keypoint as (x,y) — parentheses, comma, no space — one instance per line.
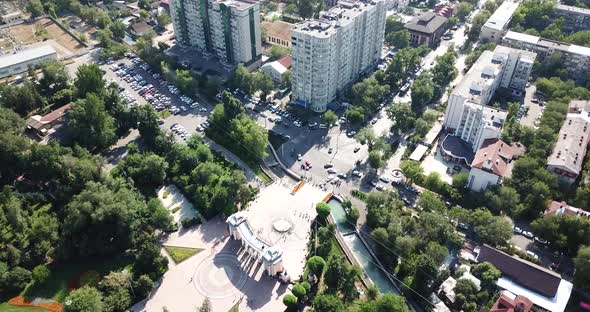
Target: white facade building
(576,59)
(11,64)
(330,53)
(496,25)
(491,164)
(227,29)
(468,115)
(275,70)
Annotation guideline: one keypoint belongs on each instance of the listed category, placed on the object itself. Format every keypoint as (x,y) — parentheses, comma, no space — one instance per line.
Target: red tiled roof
(557,208)
(285,61)
(506,303)
(56,114)
(493,156)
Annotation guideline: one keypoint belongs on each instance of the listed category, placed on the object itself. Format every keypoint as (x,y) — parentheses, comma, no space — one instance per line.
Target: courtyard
(435,162)
(224,272)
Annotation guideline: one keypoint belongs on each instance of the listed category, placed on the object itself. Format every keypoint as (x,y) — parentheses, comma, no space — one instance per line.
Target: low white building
(491,164)
(277,69)
(496,25)
(11,64)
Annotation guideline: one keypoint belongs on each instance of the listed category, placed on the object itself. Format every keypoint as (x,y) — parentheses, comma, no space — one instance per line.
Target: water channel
(359,250)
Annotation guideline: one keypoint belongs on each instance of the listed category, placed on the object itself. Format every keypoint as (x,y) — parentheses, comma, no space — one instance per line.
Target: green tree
(143,286)
(290,301)
(368,93)
(117,28)
(148,170)
(111,214)
(412,170)
(399,39)
(316,265)
(85,299)
(375,159)
(328,303)
(582,265)
(334,272)
(367,136)
(89,80)
(276,52)
(330,118)
(40,274)
(460,181)
(164,19)
(115,288)
(298,291)
(493,230)
(264,83)
(90,124)
(10,122)
(402,116)
(487,273)
(463,10)
(428,201)
(323,210)
(55,78)
(35,7)
(422,91)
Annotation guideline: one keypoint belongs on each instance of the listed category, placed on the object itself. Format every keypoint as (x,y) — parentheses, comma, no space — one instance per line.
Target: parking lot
(535,108)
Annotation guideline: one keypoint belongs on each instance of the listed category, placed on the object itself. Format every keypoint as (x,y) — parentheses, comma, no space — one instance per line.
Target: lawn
(62,276)
(5,307)
(179,254)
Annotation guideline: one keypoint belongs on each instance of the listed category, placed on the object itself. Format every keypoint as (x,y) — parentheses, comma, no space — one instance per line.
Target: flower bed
(22,302)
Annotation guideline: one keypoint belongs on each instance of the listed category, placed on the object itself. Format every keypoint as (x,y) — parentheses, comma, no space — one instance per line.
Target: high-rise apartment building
(227,29)
(331,52)
(468,117)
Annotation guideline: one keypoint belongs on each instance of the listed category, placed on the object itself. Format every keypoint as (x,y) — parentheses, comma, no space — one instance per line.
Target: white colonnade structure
(271,256)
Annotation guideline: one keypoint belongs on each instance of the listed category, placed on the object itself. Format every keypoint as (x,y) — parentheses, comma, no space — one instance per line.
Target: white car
(357,174)
(332,171)
(385,179)
(299,157)
(194,105)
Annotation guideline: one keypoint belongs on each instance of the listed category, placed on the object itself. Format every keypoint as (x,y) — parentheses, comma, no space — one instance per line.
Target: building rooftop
(340,15)
(8,7)
(240,5)
(509,302)
(286,61)
(562,208)
(37,122)
(278,29)
(522,272)
(493,156)
(572,9)
(572,141)
(555,303)
(546,43)
(480,77)
(25,55)
(140,28)
(428,23)
(501,17)
(516,36)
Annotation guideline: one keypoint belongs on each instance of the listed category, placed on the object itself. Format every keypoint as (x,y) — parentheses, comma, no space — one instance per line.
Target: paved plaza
(224,272)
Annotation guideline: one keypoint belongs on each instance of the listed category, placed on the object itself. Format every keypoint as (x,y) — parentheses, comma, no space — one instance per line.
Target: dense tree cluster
(58,206)
(411,247)
(232,128)
(395,32)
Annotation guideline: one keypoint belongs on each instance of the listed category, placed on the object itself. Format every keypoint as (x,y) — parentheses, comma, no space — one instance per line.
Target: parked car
(527,234)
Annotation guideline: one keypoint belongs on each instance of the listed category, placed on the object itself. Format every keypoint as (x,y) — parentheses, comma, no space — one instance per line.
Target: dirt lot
(43,31)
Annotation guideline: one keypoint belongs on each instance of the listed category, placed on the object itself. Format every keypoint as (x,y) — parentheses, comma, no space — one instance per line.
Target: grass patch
(5,307)
(235,308)
(64,275)
(261,174)
(179,254)
(165,114)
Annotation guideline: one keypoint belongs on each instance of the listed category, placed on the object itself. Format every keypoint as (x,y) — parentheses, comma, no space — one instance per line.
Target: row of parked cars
(138,83)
